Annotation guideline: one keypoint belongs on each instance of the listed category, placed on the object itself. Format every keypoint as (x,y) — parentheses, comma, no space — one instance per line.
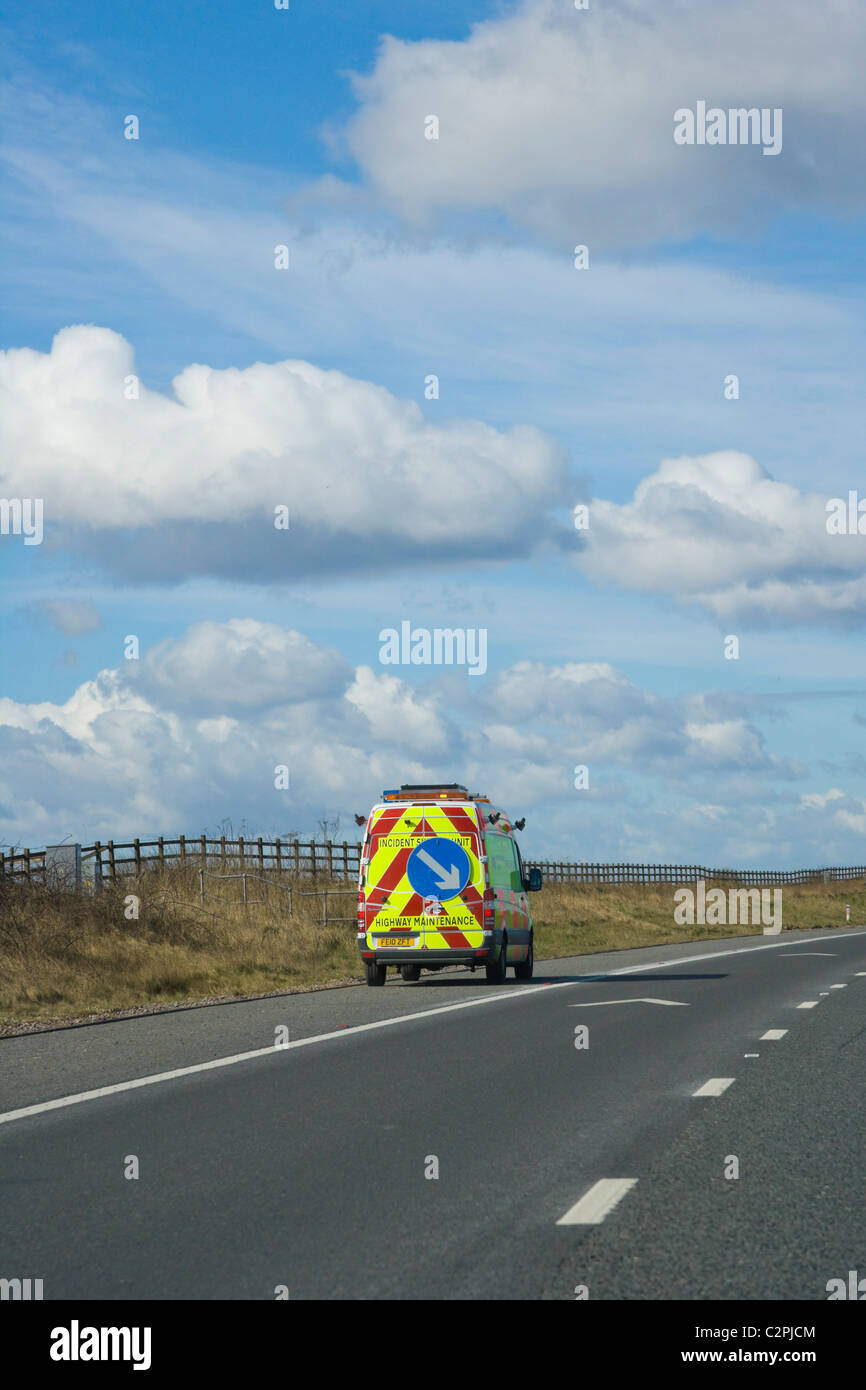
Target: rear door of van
(423,878)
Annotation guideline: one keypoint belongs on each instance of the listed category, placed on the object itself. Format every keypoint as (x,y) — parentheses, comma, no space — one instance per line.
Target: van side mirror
(532,881)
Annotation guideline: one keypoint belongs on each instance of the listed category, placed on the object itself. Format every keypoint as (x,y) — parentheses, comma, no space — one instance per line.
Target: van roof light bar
(438,791)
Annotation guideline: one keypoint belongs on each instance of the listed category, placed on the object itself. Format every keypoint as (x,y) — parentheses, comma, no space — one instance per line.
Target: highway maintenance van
(442,883)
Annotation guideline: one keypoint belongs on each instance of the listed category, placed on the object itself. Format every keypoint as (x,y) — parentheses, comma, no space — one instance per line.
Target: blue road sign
(439,868)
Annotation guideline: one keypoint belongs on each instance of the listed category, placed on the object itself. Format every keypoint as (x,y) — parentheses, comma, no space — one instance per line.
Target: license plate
(396,941)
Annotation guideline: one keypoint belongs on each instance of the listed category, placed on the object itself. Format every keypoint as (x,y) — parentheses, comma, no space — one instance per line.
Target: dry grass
(65,956)
(572,920)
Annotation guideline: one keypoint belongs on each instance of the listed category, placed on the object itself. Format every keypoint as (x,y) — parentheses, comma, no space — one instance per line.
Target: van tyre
(375,973)
(497,968)
(523,968)
(410,973)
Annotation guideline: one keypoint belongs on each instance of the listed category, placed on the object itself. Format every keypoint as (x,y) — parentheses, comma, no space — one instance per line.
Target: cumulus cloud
(192,734)
(592,711)
(239,665)
(719,530)
(190,481)
(563,119)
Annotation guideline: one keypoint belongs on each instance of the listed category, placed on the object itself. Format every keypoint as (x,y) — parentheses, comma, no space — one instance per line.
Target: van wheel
(495,971)
(375,973)
(523,968)
(410,973)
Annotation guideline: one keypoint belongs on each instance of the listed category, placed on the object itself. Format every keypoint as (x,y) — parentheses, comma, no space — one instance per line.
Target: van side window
(502,858)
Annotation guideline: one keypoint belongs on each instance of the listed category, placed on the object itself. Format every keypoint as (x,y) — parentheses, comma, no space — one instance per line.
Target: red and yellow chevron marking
(391,901)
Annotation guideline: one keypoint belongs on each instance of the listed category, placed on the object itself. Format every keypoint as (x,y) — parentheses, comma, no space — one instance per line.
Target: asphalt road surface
(449,1139)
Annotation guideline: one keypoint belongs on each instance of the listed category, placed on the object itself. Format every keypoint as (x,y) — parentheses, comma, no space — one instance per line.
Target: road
(305,1167)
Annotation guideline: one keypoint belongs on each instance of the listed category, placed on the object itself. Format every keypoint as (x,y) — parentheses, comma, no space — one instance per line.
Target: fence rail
(569,872)
(341,860)
(271,882)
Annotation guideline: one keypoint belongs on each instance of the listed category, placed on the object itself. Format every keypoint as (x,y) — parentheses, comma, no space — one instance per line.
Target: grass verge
(66,957)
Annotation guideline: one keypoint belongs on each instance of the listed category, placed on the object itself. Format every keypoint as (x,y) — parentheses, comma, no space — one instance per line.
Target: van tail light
(489,910)
(361,914)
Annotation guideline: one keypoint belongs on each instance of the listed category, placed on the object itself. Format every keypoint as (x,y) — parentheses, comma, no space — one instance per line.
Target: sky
(297,347)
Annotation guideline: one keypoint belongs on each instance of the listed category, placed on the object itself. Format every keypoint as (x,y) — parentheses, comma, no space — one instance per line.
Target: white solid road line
(808,1004)
(246,1057)
(596,1204)
(526,992)
(838,986)
(715,1086)
(773,1035)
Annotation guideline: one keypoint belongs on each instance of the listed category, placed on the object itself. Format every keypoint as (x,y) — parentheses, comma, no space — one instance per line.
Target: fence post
(326,907)
(183,851)
(279,856)
(345,862)
(203,850)
(313,856)
(201,883)
(261,857)
(111,868)
(297,858)
(161,852)
(241,853)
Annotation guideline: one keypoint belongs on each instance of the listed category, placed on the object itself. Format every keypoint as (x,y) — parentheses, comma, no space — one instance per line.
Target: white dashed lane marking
(598,1202)
(714,1086)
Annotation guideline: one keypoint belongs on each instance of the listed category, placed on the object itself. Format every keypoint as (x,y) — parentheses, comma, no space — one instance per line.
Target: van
(441,883)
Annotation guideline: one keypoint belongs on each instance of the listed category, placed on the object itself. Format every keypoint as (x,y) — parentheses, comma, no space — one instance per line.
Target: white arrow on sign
(678,1003)
(449,879)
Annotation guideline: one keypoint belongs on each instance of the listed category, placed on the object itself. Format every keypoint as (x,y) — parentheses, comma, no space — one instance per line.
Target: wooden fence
(310,859)
(570,872)
(341,860)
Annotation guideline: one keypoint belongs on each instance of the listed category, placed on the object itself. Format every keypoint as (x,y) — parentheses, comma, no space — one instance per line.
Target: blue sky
(556,387)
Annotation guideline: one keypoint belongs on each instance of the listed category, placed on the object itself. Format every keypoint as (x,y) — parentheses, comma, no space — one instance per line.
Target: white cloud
(367,479)
(719,530)
(563,120)
(396,714)
(818,801)
(239,665)
(191,736)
